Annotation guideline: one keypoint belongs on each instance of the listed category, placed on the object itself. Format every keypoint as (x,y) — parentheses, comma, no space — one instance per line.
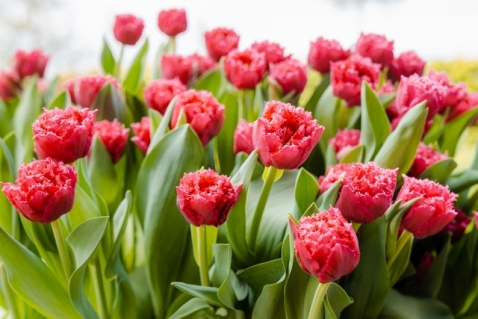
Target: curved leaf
(107,59)
(133,78)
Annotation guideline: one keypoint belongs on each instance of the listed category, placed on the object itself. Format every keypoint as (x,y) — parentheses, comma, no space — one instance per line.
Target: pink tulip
(221,41)
(243,137)
(113,136)
(128,29)
(172,22)
(159,93)
(245,69)
(142,134)
(323,51)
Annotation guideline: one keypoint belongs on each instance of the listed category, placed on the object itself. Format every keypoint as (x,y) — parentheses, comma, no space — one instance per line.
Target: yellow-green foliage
(459,71)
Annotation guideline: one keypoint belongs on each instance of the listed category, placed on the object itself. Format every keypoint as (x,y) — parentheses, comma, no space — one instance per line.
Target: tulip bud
(128,28)
(142,134)
(159,93)
(30,63)
(43,191)
(272,51)
(406,64)
(113,136)
(221,41)
(245,69)
(375,47)
(344,141)
(172,22)
(424,157)
(243,137)
(323,51)
(83,91)
(291,75)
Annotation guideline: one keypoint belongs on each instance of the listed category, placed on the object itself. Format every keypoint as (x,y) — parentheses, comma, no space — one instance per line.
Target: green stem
(318,300)
(173,44)
(99,289)
(118,63)
(215,154)
(8,293)
(60,243)
(202,255)
(243,109)
(261,204)
(404,238)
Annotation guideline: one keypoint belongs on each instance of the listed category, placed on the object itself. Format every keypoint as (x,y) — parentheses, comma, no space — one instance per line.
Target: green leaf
(83,240)
(319,90)
(210,81)
(225,137)
(329,197)
(84,208)
(368,283)
(208,294)
(453,130)
(42,290)
(338,298)
(259,275)
(60,101)
(327,114)
(439,171)
(386,99)
(163,126)
(375,126)
(107,59)
(211,236)
(435,131)
(111,106)
(400,147)
(132,80)
(306,190)
(355,155)
(463,180)
(398,306)
(194,308)
(177,152)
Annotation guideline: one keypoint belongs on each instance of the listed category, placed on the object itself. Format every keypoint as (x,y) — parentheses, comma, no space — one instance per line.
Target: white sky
(435,29)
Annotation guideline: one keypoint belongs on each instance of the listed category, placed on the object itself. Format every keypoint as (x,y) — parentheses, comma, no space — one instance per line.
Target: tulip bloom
(159,93)
(243,137)
(172,22)
(64,135)
(83,91)
(333,173)
(205,197)
(203,112)
(432,212)
(323,51)
(200,64)
(43,191)
(347,76)
(424,157)
(9,85)
(273,52)
(128,29)
(457,226)
(452,93)
(326,245)
(175,66)
(113,136)
(375,47)
(221,41)
(406,64)
(245,69)
(470,101)
(30,63)
(291,75)
(344,141)
(142,134)
(285,135)
(366,193)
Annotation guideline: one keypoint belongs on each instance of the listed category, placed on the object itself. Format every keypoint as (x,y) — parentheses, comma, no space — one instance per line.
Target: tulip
(128,29)
(221,41)
(9,85)
(245,69)
(406,64)
(64,135)
(113,136)
(344,141)
(375,47)
(347,77)
(469,102)
(432,212)
(333,174)
(323,51)
(243,137)
(30,63)
(273,52)
(424,157)
(203,112)
(291,75)
(175,66)
(366,193)
(206,197)
(452,93)
(200,64)
(43,191)
(325,245)
(83,91)
(285,135)
(172,22)
(142,134)
(159,93)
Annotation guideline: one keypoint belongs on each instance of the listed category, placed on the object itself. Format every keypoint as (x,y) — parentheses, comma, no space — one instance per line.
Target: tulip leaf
(386,99)
(329,197)
(433,279)
(318,91)
(453,130)
(400,147)
(194,308)
(327,114)
(177,152)
(337,298)
(83,209)
(330,156)
(439,171)
(107,59)
(463,180)
(435,131)
(132,80)
(306,190)
(211,236)
(163,126)
(111,106)
(42,290)
(375,127)
(210,81)
(354,155)
(368,283)
(225,138)
(168,47)
(9,219)
(83,240)
(259,102)
(60,101)
(400,263)
(208,294)
(398,306)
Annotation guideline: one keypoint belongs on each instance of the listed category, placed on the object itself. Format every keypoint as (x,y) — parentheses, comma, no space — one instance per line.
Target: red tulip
(83,91)
(285,135)
(452,93)
(272,51)
(9,85)
(205,197)
(333,173)
(159,93)
(63,135)
(113,136)
(323,51)
(424,157)
(172,22)
(221,41)
(200,64)
(344,141)
(128,28)
(43,191)
(142,134)
(326,245)
(432,212)
(375,47)
(175,66)
(243,137)
(291,75)
(470,101)
(203,112)
(245,69)
(366,193)
(30,63)
(406,64)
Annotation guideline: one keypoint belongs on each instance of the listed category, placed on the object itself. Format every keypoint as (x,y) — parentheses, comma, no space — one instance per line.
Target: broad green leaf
(210,81)
(211,235)
(439,171)
(386,99)
(368,283)
(259,102)
(83,209)
(168,47)
(398,306)
(306,191)
(9,219)
(163,126)
(463,180)
(338,299)
(177,152)
(139,280)
(136,104)
(399,266)
(400,147)
(318,91)
(329,197)
(375,127)
(225,137)
(194,308)
(435,131)
(133,78)
(355,155)
(8,299)
(111,106)
(107,59)
(327,114)
(209,294)
(83,240)
(60,101)
(42,290)
(453,130)
(6,115)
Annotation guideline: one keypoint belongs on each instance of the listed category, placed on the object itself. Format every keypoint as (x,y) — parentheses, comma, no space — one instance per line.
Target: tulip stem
(202,255)
(215,155)
(63,252)
(173,44)
(99,289)
(404,238)
(243,107)
(261,204)
(318,300)
(118,63)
